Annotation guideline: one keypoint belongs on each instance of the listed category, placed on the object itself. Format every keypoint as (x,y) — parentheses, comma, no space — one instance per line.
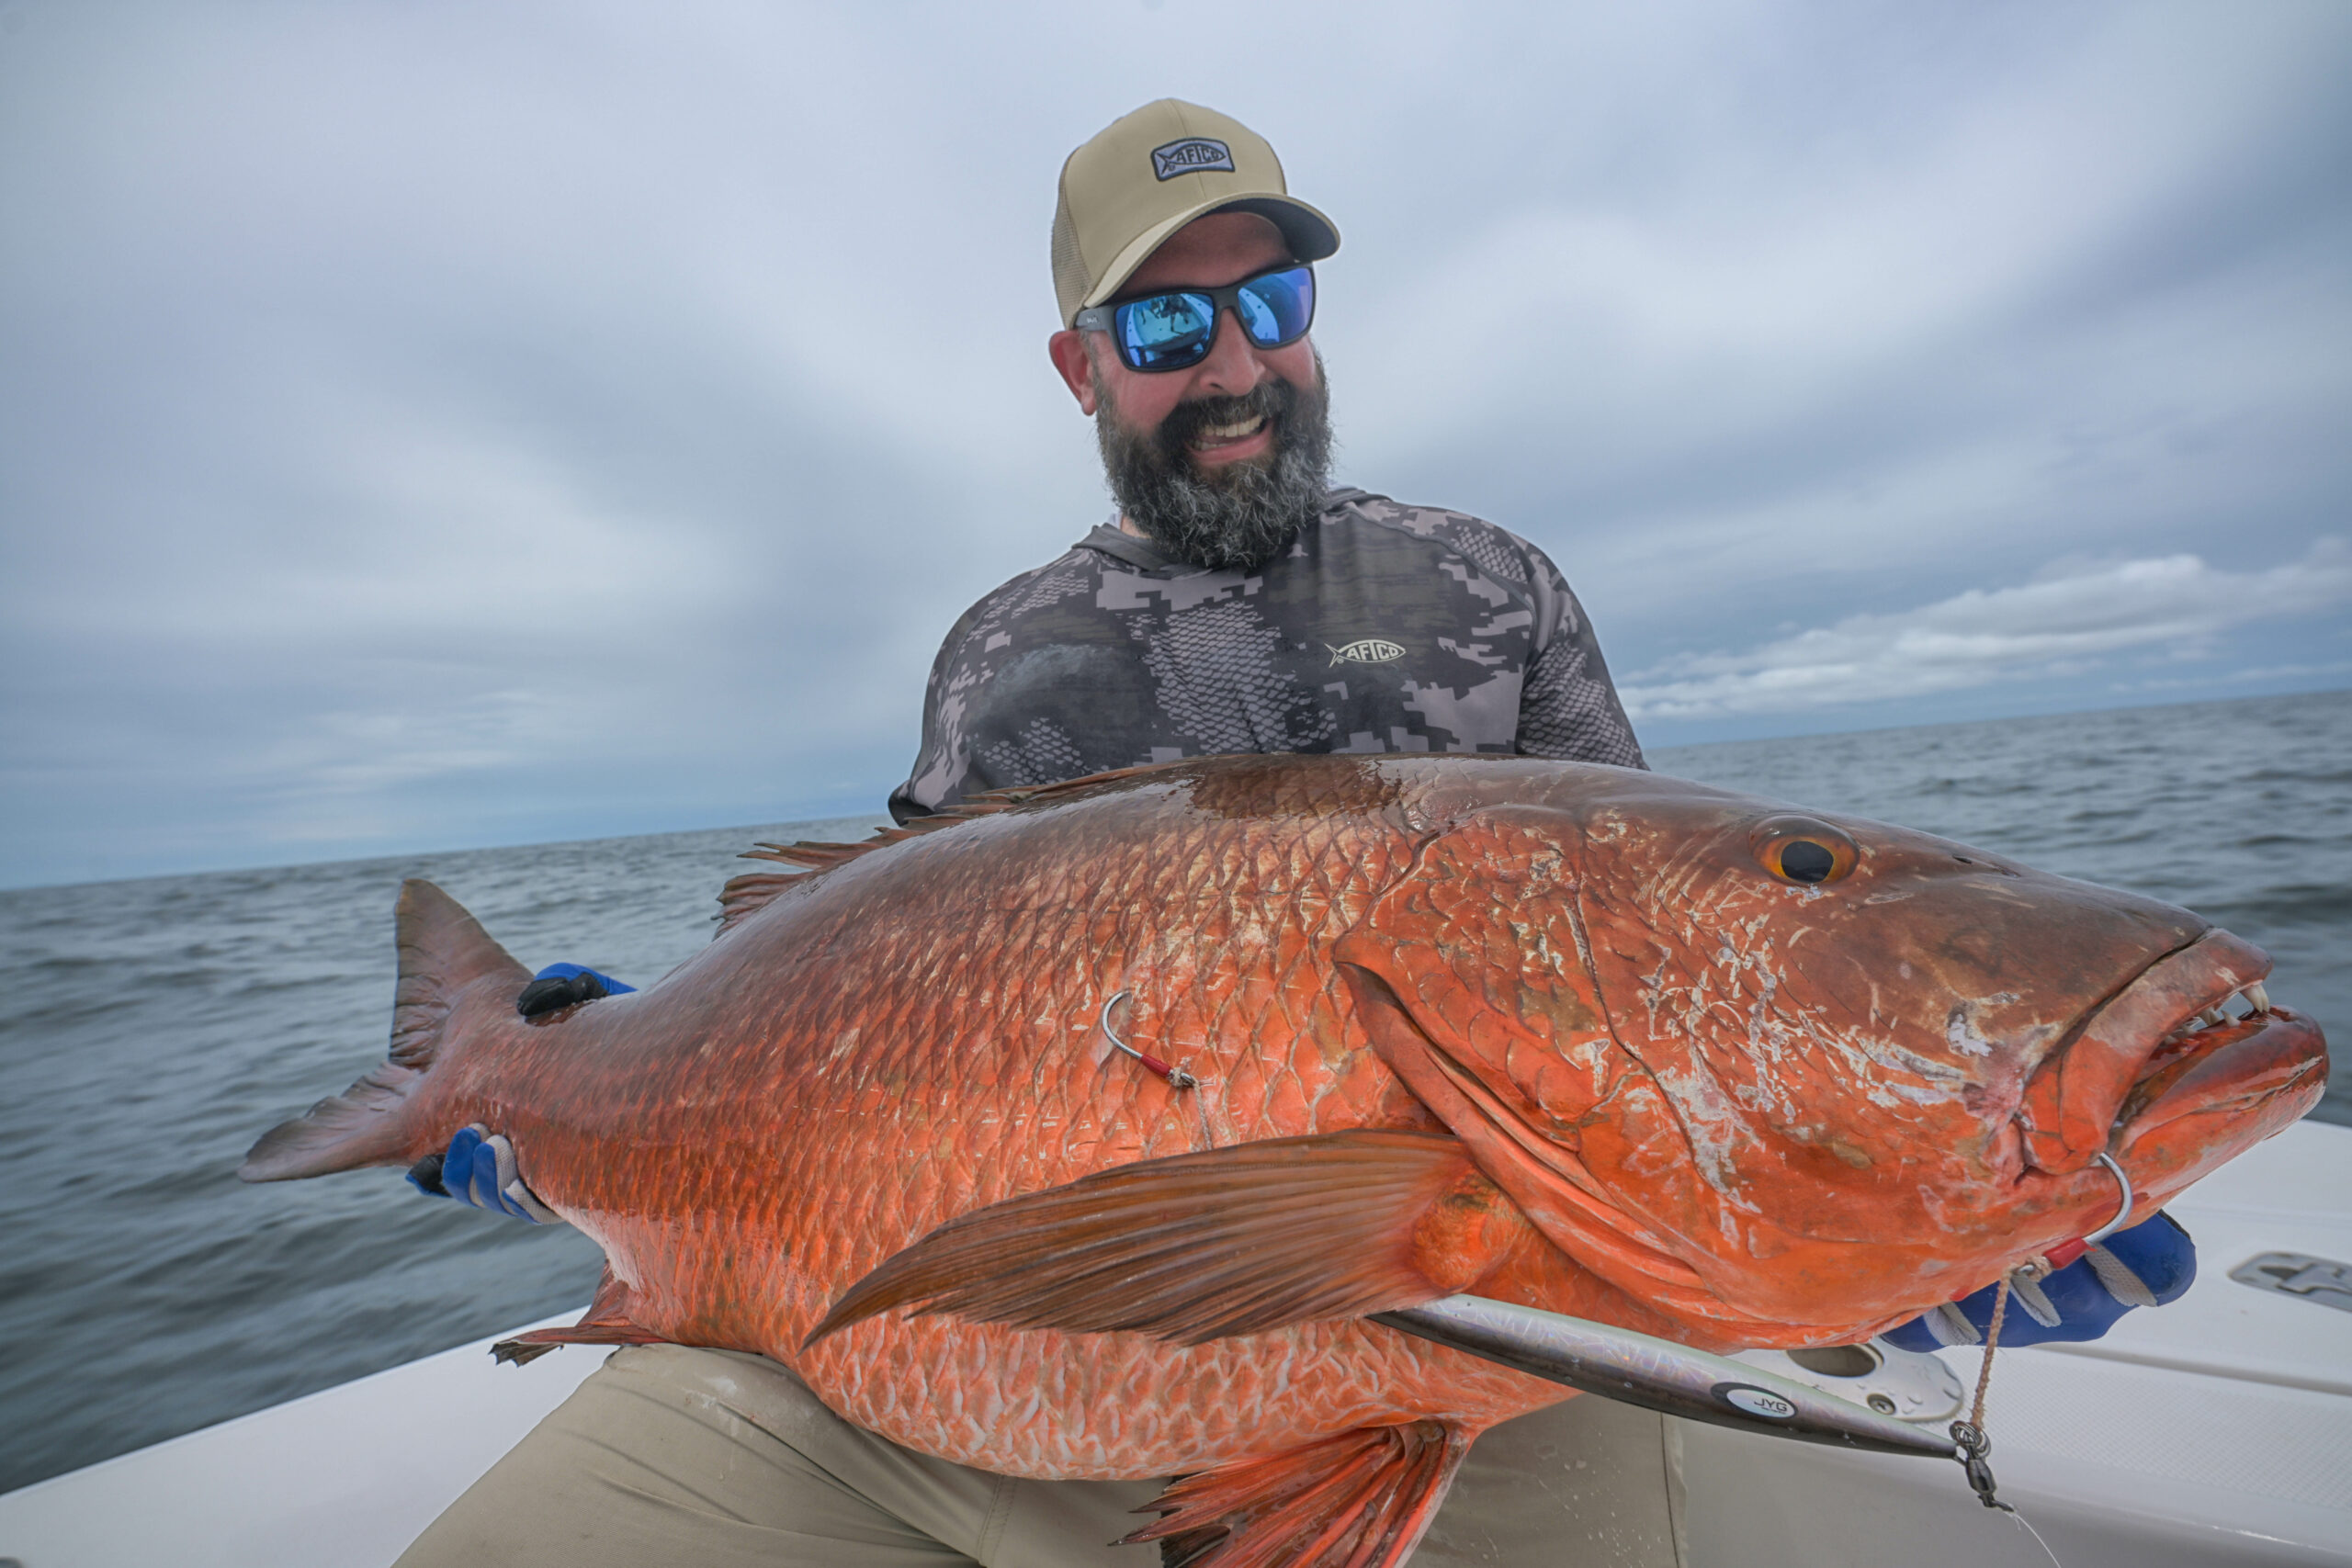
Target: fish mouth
(2191,1043)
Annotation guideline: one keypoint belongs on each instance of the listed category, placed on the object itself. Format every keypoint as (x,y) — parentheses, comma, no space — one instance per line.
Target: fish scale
(1552,1031)
(1115,1116)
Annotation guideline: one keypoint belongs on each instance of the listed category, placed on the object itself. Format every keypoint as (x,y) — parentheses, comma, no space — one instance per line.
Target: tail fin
(442,950)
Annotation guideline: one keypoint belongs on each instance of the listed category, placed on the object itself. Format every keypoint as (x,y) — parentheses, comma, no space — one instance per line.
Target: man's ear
(1068,351)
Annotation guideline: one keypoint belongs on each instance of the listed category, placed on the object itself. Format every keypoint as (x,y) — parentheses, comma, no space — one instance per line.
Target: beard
(1235,515)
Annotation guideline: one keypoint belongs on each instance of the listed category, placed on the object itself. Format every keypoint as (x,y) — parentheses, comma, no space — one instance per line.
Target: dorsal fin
(818,854)
(1022,795)
(745,896)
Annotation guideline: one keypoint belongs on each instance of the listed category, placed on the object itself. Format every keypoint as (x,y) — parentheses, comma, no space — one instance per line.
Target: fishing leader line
(1975,1444)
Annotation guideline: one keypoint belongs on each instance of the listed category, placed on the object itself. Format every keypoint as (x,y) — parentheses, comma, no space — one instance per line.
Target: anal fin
(606,1321)
(1198,1246)
(1362,1499)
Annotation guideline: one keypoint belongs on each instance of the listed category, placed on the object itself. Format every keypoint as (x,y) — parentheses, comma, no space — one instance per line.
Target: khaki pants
(712,1458)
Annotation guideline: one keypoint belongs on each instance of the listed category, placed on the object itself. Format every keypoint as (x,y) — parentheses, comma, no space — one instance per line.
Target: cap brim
(1311,236)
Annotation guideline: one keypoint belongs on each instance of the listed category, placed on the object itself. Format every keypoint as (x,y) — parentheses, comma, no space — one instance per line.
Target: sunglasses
(1173,330)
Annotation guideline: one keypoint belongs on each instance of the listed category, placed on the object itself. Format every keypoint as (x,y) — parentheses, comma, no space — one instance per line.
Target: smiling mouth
(2194,1035)
(1208,438)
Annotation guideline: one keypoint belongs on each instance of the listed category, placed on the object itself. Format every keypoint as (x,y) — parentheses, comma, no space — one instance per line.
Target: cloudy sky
(429,425)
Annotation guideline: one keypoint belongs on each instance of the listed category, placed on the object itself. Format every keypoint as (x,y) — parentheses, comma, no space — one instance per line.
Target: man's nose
(1232,368)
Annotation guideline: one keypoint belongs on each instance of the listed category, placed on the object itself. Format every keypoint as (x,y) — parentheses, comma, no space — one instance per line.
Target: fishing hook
(2122,1214)
(2026,1278)
(1177,1076)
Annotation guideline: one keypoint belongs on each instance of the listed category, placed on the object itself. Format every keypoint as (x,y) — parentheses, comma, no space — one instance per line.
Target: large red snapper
(1581,1037)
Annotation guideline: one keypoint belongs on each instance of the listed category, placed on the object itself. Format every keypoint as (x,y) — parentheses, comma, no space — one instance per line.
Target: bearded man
(1237,603)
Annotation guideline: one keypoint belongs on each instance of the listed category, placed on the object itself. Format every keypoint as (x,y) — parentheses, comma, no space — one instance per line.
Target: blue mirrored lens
(1169,331)
(1166,330)
(1278,306)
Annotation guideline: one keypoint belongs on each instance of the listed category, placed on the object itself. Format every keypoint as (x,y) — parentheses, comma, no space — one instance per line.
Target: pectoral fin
(1198,1246)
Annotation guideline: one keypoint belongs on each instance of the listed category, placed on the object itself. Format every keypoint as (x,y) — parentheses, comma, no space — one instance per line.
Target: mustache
(1275,400)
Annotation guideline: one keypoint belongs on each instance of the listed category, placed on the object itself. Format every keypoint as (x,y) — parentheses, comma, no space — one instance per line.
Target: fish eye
(1802,860)
(1803,851)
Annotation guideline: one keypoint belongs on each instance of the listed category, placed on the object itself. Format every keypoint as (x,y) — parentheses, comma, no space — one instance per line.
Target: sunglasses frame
(1104,317)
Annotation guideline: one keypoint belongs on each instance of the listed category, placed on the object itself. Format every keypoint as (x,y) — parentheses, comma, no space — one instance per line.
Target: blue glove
(2152,1263)
(479,1168)
(563,986)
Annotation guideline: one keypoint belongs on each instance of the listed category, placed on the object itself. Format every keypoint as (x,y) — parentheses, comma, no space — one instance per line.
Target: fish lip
(2078,1101)
(2221,1068)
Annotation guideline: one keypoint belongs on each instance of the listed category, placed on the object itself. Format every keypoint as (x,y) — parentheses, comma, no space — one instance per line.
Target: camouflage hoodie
(1382,628)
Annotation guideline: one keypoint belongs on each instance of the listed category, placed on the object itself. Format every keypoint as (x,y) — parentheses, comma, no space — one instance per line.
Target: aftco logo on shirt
(1368,651)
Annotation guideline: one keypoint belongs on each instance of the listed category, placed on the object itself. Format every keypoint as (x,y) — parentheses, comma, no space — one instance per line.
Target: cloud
(428,425)
(2071,619)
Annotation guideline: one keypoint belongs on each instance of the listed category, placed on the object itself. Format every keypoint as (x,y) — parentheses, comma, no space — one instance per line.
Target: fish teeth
(2257,1000)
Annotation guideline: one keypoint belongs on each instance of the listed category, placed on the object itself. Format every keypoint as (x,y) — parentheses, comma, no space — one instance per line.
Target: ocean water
(158,1026)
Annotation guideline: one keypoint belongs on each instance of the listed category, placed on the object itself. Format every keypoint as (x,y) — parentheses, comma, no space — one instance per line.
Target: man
(1238,604)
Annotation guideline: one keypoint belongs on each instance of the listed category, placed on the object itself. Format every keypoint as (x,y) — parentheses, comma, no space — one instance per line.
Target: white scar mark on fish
(1959,1033)
(1886,1054)
(1779,1036)
(1736,1016)
(1713,1123)
(1709,1124)
(1594,1055)
(1709,1116)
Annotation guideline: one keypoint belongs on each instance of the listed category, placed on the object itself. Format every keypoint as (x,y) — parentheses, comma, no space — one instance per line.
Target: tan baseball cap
(1147,175)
